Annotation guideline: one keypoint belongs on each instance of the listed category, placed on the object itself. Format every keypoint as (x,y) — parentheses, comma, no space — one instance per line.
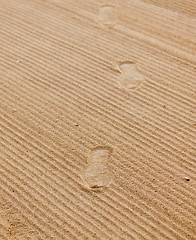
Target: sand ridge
(97,119)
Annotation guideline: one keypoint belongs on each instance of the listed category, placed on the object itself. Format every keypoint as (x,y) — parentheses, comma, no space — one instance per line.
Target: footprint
(130,77)
(97,175)
(106,15)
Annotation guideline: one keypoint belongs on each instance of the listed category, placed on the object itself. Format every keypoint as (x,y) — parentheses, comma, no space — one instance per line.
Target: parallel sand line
(92,17)
(64,198)
(94,7)
(146,12)
(186,83)
(19,163)
(32,216)
(53,199)
(24,199)
(36,229)
(183,86)
(174,2)
(187,7)
(75,47)
(187,76)
(170,230)
(129,219)
(142,88)
(22,24)
(145,111)
(137,24)
(164,46)
(85,13)
(10,92)
(40,197)
(75,26)
(172,16)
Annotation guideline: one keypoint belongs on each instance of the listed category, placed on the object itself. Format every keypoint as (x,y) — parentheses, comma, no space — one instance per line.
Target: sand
(97,119)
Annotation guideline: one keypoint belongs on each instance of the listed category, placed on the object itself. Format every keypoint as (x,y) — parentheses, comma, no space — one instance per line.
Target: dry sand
(97,119)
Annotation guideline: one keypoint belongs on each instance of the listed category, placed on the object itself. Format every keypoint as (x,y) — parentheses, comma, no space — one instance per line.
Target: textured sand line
(150,10)
(144,38)
(187,7)
(62,98)
(12,224)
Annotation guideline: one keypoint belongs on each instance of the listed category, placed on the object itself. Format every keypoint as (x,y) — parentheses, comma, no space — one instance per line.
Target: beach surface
(97,119)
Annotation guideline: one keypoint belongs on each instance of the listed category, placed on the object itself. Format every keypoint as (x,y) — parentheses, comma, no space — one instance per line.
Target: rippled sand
(97,119)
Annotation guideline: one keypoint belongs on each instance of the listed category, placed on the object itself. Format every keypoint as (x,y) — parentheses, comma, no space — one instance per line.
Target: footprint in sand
(130,78)
(106,15)
(97,175)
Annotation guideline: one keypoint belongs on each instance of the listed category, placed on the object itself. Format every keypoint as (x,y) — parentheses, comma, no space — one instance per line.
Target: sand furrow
(117,124)
(140,220)
(177,81)
(97,119)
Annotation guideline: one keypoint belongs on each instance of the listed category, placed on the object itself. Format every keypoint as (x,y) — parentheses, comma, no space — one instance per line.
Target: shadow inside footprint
(97,175)
(130,77)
